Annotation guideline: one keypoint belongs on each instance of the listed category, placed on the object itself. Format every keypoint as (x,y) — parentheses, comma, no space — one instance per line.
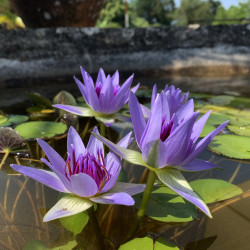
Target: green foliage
(193,11)
(235,14)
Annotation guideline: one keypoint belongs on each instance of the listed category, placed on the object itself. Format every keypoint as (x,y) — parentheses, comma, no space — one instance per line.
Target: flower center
(166,128)
(88,164)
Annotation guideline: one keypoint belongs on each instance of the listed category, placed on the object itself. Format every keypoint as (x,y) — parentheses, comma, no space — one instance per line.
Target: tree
(155,11)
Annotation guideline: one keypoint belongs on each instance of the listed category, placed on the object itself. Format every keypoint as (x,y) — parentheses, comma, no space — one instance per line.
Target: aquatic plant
(87,177)
(105,98)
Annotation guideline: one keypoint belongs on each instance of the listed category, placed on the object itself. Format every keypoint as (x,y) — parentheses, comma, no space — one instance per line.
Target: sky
(226,3)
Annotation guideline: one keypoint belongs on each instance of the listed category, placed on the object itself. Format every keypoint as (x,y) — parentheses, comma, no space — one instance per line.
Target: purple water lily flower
(174,97)
(168,143)
(105,98)
(87,176)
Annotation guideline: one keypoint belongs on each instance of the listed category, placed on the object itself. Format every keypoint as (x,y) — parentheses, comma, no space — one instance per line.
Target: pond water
(24,202)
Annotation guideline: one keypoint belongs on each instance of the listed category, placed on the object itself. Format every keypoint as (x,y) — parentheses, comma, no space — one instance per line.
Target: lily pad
(233,146)
(221,100)
(75,223)
(167,206)
(147,243)
(14,119)
(40,100)
(40,129)
(64,97)
(240,130)
(9,139)
(212,190)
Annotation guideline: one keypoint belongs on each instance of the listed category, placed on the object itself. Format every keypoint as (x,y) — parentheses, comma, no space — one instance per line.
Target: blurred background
(121,13)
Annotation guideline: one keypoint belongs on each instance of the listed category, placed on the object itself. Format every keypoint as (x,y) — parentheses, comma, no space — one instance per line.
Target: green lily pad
(212,190)
(147,243)
(35,245)
(17,119)
(240,102)
(208,128)
(221,100)
(242,130)
(75,223)
(233,146)
(167,206)
(3,119)
(40,129)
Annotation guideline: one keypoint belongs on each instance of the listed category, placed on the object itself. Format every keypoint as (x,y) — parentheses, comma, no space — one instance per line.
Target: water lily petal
(129,188)
(114,198)
(198,126)
(154,94)
(123,118)
(86,112)
(106,96)
(121,96)
(56,160)
(83,185)
(176,181)
(66,206)
(198,165)
(146,111)
(115,78)
(75,140)
(137,117)
(203,144)
(153,128)
(47,178)
(82,89)
(185,111)
(178,141)
(135,88)
(94,144)
(101,76)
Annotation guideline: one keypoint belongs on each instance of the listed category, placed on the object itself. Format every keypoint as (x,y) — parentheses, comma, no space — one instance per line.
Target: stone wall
(32,57)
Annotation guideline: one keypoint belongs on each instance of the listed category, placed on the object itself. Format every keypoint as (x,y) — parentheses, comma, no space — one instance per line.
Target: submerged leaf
(9,139)
(167,206)
(40,129)
(211,190)
(233,146)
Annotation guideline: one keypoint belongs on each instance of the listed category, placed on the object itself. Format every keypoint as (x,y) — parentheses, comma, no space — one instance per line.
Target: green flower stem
(7,152)
(102,129)
(93,221)
(144,202)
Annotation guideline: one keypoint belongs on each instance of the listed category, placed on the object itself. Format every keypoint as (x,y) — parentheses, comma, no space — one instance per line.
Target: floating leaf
(14,119)
(240,102)
(40,100)
(40,129)
(147,243)
(3,119)
(207,129)
(75,223)
(9,139)
(211,190)
(35,245)
(165,205)
(215,108)
(243,130)
(221,100)
(233,146)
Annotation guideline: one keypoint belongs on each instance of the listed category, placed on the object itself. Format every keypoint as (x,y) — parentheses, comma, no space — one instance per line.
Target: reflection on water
(24,202)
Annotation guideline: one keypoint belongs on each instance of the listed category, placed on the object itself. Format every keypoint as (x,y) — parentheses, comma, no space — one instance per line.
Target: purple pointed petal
(135,88)
(67,206)
(154,94)
(176,181)
(125,141)
(198,165)
(203,144)
(198,126)
(127,154)
(137,117)
(153,128)
(82,89)
(86,112)
(86,77)
(122,95)
(185,111)
(129,188)
(94,144)
(60,175)
(114,198)
(83,185)
(101,76)
(145,111)
(123,118)
(56,160)
(178,142)
(106,96)
(47,178)
(75,140)
(115,78)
